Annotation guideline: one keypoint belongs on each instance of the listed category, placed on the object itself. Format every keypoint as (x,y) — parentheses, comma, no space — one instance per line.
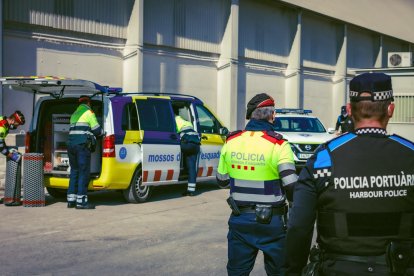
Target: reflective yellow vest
(252,160)
(83,126)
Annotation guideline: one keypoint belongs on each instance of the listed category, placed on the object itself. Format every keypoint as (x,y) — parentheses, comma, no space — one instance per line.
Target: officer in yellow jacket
(84,128)
(190,148)
(258,163)
(7,123)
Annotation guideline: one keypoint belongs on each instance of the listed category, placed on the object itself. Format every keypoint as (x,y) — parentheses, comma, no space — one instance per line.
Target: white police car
(303,131)
(141,148)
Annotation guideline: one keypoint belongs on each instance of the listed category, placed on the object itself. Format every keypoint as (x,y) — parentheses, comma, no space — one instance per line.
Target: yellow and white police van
(303,131)
(140,149)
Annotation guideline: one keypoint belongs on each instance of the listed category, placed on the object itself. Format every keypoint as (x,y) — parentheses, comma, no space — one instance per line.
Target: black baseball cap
(377,84)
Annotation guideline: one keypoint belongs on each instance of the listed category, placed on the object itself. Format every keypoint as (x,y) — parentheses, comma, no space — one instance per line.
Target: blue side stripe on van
(335,143)
(323,160)
(400,140)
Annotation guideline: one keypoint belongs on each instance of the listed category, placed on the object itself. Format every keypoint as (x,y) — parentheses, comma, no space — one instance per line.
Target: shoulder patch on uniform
(340,140)
(402,141)
(273,137)
(323,159)
(234,134)
(3,123)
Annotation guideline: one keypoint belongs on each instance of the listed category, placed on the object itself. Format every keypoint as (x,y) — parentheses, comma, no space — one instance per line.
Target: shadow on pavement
(114,198)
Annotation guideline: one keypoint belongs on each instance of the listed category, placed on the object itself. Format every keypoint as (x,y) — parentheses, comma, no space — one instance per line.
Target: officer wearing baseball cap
(259,166)
(360,186)
(344,123)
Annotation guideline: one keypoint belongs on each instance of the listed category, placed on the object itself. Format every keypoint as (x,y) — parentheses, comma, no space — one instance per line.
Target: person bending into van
(7,123)
(84,128)
(190,147)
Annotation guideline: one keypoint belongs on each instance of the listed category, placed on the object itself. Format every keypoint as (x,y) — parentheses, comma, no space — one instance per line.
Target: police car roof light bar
(293,110)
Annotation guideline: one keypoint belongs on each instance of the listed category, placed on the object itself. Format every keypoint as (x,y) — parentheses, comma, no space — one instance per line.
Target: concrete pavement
(169,235)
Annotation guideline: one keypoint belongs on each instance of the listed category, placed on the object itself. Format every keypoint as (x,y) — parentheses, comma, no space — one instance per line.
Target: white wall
(24,56)
(318,97)
(169,73)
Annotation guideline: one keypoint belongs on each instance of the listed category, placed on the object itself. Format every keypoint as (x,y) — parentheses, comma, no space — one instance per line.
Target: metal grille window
(404,109)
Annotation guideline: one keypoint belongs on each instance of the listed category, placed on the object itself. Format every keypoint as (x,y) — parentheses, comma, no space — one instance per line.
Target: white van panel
(161,162)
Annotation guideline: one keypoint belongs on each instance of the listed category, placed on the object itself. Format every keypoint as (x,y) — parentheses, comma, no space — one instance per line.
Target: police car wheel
(136,192)
(57,193)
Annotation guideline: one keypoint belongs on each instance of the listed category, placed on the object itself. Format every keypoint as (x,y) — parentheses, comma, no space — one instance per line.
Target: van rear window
(155,115)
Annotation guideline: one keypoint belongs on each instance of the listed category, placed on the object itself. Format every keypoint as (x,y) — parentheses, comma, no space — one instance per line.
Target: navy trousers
(80,169)
(190,152)
(246,237)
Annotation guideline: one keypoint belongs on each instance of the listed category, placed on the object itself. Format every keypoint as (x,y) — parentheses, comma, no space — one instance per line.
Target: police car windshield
(298,124)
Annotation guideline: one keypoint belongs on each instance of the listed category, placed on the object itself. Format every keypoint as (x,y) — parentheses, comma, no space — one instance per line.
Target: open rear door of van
(55,125)
(54,86)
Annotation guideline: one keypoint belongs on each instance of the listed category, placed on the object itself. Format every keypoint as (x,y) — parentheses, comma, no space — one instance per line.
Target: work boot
(71,204)
(82,202)
(188,193)
(85,206)
(14,203)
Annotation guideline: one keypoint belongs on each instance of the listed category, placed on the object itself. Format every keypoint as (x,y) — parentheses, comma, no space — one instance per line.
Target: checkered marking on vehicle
(159,175)
(371,131)
(204,173)
(322,173)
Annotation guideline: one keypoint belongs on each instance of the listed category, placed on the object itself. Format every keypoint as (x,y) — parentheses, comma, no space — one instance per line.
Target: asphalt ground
(169,235)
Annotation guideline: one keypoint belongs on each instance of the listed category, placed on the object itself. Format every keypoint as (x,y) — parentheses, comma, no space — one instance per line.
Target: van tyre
(57,193)
(136,192)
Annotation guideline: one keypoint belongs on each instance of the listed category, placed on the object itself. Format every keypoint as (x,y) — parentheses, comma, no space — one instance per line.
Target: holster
(91,143)
(264,213)
(400,256)
(233,206)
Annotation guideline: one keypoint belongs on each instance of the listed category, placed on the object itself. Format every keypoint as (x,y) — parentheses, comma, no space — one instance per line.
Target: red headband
(268,102)
(17,118)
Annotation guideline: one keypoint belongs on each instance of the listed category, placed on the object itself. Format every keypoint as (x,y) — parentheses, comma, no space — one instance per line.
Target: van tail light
(27,142)
(108,146)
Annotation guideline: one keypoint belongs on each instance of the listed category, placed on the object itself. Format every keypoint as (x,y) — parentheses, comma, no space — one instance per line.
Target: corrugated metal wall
(321,38)
(99,17)
(266,31)
(188,24)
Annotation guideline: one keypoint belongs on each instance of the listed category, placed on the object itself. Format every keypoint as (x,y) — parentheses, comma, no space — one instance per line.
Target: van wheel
(57,193)
(136,192)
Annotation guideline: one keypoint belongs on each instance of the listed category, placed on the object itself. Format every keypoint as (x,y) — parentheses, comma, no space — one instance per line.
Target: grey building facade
(222,51)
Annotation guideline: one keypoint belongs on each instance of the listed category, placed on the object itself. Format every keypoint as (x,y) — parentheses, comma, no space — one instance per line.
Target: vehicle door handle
(204,137)
(173,137)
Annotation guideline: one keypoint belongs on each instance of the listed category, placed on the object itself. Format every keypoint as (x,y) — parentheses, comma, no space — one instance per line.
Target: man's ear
(390,110)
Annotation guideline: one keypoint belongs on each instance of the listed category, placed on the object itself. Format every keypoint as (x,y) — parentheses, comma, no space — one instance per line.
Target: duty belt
(380,260)
(279,210)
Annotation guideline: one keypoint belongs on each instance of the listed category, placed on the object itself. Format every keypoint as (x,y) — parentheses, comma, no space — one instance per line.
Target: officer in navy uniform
(359,187)
(344,122)
(259,165)
(83,131)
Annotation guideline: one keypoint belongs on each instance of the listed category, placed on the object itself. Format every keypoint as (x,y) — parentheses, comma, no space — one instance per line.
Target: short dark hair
(370,110)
